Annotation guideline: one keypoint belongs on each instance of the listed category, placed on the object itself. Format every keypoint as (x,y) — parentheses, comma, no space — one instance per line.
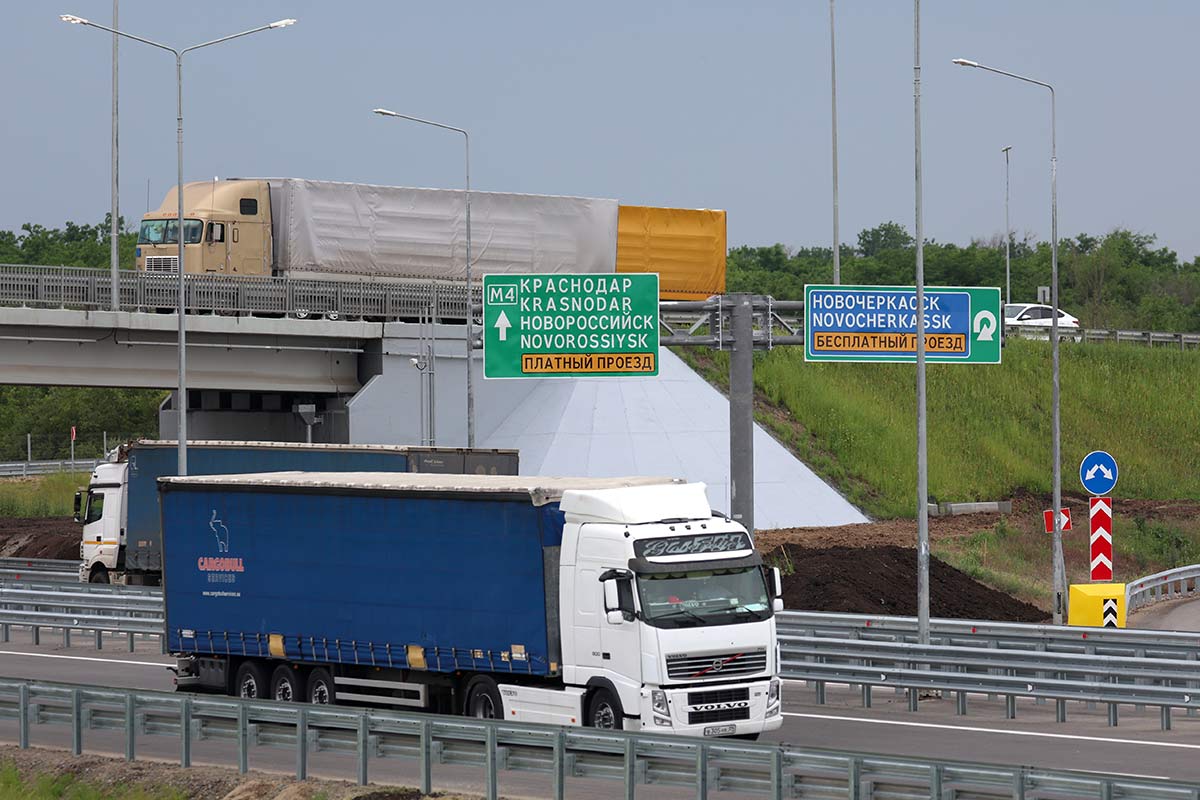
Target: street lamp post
(837,244)
(470,332)
(1060,577)
(181,399)
(1007,235)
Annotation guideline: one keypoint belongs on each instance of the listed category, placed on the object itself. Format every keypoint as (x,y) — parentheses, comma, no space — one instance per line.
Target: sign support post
(741,411)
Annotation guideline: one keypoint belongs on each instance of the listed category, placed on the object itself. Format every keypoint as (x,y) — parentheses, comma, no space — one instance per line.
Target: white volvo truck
(607,602)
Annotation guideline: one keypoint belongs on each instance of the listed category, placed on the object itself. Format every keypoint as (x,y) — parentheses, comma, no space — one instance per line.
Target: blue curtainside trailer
(150,460)
(351,577)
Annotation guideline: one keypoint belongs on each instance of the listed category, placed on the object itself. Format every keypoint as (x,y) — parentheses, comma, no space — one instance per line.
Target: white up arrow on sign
(502,325)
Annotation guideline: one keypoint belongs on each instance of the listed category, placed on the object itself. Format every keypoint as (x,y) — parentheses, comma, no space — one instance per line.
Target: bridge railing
(247,295)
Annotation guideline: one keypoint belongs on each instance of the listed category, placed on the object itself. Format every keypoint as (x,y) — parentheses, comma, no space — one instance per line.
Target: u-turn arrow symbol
(984,326)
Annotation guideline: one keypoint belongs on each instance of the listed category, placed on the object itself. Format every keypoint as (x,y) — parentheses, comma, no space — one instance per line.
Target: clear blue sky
(696,103)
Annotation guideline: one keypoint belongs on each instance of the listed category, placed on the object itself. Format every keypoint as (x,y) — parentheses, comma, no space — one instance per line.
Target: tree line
(1118,280)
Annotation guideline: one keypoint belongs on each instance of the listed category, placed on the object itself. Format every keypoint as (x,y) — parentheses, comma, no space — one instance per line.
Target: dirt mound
(883,580)
(39,537)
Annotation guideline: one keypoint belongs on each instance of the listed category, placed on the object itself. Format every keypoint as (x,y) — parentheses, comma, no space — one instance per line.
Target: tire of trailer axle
(483,699)
(251,681)
(287,684)
(319,689)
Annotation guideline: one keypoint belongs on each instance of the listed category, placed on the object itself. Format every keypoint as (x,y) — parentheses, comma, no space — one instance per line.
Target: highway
(1136,748)
(1170,615)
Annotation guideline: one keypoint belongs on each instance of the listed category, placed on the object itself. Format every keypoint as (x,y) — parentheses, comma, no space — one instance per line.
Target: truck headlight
(658,700)
(773,692)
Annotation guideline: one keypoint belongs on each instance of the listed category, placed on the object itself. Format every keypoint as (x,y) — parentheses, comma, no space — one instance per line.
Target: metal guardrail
(91,289)
(42,569)
(1171,584)
(13,469)
(707,767)
(996,636)
(386,299)
(100,609)
(1115,681)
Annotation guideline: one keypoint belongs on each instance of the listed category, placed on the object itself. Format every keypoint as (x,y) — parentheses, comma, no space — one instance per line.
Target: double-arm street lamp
(470,327)
(1060,577)
(181,398)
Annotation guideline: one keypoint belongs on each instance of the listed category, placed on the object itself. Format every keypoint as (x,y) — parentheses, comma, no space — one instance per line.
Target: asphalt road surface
(1136,748)
(1172,615)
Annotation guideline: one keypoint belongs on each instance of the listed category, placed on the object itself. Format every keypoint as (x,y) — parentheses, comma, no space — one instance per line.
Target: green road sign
(570,326)
(879,323)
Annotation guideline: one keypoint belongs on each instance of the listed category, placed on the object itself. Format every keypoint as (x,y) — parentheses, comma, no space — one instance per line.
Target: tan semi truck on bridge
(290,227)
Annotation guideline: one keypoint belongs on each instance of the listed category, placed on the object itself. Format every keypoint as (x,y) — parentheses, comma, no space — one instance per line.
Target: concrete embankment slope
(675,424)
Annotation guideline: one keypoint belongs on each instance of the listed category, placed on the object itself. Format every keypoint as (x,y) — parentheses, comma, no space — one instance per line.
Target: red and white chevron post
(1100,515)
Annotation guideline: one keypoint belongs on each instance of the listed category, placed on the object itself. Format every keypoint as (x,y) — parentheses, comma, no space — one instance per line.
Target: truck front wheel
(604,711)
(250,682)
(98,574)
(483,699)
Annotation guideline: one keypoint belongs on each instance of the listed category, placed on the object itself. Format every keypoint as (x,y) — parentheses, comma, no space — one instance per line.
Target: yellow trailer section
(685,246)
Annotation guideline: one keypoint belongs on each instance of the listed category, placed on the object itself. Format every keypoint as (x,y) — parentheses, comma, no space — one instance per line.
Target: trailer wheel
(604,711)
(98,575)
(250,682)
(483,699)
(287,684)
(319,689)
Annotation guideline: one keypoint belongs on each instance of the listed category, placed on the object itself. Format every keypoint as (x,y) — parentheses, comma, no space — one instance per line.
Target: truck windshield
(711,597)
(166,231)
(193,231)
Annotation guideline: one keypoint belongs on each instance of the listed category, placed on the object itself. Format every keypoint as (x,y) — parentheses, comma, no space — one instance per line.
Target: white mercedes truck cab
(667,614)
(102,511)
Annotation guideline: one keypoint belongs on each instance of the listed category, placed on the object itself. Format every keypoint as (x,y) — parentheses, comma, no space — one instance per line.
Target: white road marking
(998,731)
(155,664)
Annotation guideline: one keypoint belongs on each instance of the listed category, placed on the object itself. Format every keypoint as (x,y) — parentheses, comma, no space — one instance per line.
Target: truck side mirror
(618,600)
(777,585)
(78,506)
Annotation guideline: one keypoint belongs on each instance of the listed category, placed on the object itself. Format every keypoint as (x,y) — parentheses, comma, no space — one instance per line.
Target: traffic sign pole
(741,412)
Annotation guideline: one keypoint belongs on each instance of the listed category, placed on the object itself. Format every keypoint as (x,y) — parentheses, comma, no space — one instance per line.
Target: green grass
(45,496)
(989,426)
(66,787)
(1014,556)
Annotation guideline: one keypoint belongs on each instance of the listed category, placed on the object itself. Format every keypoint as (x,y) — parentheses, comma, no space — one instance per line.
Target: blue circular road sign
(1098,472)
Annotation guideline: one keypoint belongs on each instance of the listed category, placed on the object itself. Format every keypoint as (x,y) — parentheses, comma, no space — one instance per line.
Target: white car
(1036,315)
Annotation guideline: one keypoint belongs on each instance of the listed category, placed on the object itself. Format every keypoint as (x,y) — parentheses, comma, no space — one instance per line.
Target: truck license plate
(720,730)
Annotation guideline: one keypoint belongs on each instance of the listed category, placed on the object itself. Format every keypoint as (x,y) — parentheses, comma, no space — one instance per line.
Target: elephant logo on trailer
(220,531)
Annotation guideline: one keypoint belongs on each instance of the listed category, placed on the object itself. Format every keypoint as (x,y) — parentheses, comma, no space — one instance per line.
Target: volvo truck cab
(668,624)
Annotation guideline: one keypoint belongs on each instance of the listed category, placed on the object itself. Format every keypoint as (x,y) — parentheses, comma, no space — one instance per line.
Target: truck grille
(712,665)
(720,715)
(162,263)
(718,696)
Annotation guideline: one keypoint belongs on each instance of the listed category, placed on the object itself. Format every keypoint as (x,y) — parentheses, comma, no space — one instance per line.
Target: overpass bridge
(384,362)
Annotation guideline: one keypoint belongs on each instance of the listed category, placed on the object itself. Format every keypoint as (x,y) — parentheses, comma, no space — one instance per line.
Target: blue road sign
(879,323)
(1098,472)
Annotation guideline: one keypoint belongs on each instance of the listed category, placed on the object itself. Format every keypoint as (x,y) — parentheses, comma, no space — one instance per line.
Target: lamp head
(283,23)
(962,62)
(1005,149)
(74,20)
(383,112)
